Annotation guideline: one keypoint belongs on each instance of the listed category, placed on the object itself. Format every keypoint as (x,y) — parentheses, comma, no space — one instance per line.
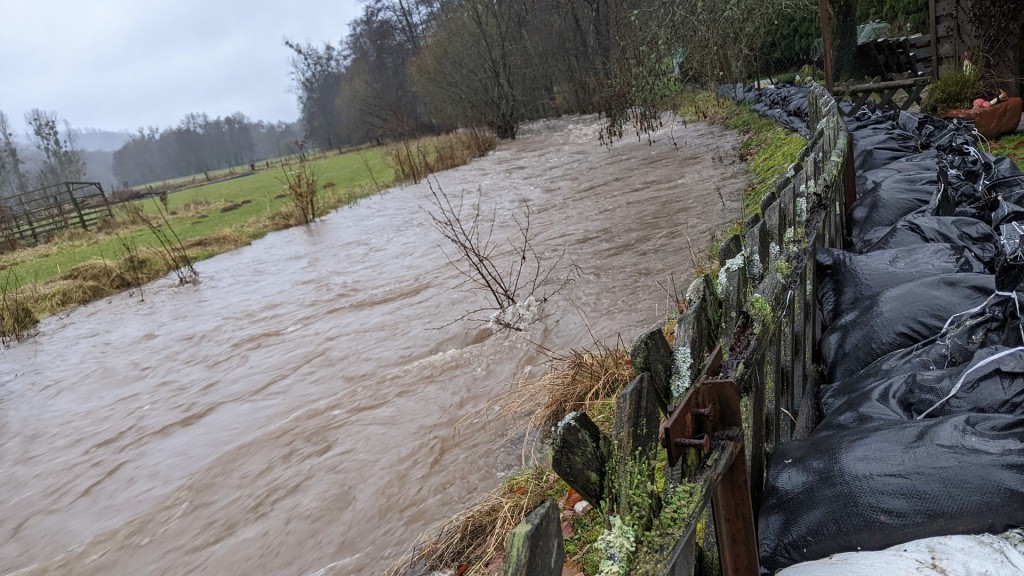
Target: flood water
(295,412)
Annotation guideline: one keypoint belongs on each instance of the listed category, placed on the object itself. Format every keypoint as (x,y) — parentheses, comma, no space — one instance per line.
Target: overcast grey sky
(121,64)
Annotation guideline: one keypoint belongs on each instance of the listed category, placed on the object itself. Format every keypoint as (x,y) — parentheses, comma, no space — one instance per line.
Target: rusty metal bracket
(708,406)
(709,419)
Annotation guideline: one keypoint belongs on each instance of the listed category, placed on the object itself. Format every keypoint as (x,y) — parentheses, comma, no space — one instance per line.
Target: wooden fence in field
(32,217)
(739,380)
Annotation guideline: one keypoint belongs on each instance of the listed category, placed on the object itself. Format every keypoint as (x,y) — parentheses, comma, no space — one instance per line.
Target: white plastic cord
(1016,303)
(949,322)
(1020,322)
(960,382)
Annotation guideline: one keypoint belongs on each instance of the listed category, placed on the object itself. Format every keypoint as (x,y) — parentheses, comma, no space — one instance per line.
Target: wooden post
(734,521)
(535,546)
(578,456)
(826,41)
(31,225)
(933,31)
(106,202)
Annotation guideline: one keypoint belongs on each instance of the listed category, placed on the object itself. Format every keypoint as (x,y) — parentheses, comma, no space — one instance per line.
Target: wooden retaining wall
(740,379)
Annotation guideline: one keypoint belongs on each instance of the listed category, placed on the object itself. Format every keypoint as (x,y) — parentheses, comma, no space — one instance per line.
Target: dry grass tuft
(221,241)
(476,536)
(53,297)
(110,275)
(286,217)
(17,321)
(575,381)
(415,160)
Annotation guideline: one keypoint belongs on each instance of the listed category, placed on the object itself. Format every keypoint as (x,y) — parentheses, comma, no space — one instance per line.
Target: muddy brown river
(295,412)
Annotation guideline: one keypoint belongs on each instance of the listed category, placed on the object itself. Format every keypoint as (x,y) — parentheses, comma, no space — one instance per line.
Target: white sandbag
(983,555)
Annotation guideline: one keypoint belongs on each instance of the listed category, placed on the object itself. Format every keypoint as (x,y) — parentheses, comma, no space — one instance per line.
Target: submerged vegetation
(414,160)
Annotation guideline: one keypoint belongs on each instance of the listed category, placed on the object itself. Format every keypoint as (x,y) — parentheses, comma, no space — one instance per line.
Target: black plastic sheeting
(889,200)
(874,487)
(899,317)
(976,236)
(785,104)
(922,352)
(920,162)
(992,383)
(846,279)
(994,324)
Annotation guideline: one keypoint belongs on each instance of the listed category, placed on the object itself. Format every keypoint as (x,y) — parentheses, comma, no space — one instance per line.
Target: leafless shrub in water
(515,277)
(171,250)
(303,182)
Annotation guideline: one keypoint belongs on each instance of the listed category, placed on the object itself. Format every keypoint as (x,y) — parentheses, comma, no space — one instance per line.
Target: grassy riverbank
(207,219)
(147,239)
(766,147)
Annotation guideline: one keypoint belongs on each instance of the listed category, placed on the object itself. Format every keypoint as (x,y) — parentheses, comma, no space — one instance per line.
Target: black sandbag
(899,317)
(871,488)
(877,146)
(889,200)
(995,323)
(972,234)
(867,118)
(941,133)
(786,105)
(992,383)
(1010,188)
(992,211)
(924,162)
(846,279)
(1003,167)
(979,166)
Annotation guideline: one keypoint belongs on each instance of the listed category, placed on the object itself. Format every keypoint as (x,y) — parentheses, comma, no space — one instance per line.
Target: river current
(296,411)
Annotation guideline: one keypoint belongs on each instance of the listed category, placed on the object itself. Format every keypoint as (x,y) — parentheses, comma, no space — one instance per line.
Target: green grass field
(208,219)
(1011,145)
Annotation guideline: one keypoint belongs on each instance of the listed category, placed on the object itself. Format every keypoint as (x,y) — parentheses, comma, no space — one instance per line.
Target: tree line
(409,67)
(197,144)
(200,144)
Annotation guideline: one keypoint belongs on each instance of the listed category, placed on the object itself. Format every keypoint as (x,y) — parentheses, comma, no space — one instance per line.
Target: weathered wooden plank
(880,86)
(535,546)
(579,457)
(652,354)
(636,428)
(697,332)
(637,418)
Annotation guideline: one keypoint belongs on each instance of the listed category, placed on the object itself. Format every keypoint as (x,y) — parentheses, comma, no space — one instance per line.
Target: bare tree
(515,277)
(12,177)
(61,161)
(317,73)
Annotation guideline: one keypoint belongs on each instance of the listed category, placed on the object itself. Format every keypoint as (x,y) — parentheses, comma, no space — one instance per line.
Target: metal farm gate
(32,217)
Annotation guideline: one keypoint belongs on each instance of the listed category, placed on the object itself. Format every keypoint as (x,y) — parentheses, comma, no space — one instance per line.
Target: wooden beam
(935,39)
(826,41)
